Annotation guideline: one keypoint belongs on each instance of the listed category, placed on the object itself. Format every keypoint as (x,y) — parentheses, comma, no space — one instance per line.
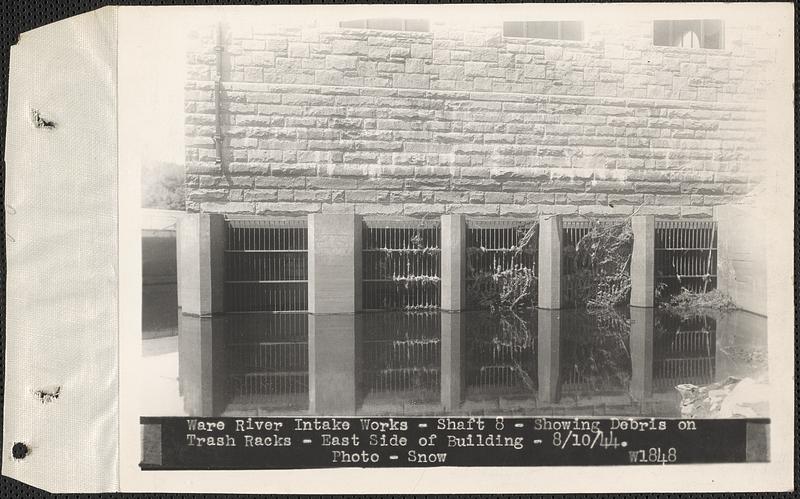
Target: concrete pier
(641,348)
(334,263)
(454,262)
(549,355)
(202,375)
(201,263)
(643,261)
(452,351)
(333,361)
(550,234)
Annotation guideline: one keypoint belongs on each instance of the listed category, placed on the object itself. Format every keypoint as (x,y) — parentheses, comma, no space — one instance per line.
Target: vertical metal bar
(390,245)
(273,271)
(265,257)
(279,256)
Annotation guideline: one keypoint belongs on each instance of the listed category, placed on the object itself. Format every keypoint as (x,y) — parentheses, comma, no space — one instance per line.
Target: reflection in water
(684,350)
(267,361)
(559,362)
(594,350)
(401,355)
(201,365)
(640,346)
(333,346)
(501,354)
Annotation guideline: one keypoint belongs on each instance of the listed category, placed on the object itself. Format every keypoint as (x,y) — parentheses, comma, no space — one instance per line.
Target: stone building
(360,134)
(409,118)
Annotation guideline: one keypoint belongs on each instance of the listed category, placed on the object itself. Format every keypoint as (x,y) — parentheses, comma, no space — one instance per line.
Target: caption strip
(170,443)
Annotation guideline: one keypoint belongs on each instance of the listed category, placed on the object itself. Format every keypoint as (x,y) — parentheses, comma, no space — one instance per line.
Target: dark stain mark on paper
(39,121)
(48,394)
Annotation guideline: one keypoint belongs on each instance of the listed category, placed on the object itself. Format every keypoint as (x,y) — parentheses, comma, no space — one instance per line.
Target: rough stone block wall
(469,121)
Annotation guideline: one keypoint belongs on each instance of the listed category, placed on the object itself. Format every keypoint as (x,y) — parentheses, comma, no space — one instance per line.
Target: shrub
(603,259)
(163,186)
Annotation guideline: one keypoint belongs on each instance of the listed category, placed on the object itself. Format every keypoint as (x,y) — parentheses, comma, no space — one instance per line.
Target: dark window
(551,30)
(692,33)
(388,24)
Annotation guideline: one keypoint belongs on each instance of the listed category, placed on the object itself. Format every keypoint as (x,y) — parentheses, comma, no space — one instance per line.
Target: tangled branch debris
(409,251)
(515,333)
(505,287)
(407,259)
(689,301)
(407,280)
(602,259)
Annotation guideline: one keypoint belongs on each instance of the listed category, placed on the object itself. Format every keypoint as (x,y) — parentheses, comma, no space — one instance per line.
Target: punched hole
(19,451)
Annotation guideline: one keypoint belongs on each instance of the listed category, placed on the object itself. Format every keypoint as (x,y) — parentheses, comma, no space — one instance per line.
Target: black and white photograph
(455,239)
(404,216)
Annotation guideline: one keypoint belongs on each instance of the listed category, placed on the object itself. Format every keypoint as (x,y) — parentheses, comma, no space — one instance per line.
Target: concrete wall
(466,120)
(741,265)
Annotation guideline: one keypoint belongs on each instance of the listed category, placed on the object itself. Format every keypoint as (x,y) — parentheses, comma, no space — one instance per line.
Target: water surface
(623,362)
